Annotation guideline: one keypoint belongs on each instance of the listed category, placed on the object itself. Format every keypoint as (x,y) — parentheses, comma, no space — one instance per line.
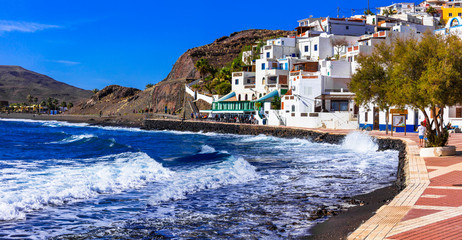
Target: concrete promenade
(430,207)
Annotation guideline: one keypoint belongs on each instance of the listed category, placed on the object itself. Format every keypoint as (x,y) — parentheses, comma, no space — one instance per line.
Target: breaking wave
(360,142)
(58,186)
(233,171)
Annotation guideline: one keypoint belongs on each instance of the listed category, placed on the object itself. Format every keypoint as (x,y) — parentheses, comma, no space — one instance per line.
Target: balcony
(337,90)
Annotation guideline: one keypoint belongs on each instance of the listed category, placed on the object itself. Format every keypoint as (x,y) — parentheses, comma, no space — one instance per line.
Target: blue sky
(92,44)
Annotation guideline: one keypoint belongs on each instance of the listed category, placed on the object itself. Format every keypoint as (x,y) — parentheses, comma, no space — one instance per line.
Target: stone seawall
(242,129)
(283,132)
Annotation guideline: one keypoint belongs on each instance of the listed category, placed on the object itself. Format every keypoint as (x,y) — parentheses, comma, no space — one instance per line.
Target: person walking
(421,130)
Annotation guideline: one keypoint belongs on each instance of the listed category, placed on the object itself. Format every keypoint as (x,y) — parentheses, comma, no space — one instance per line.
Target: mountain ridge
(17,82)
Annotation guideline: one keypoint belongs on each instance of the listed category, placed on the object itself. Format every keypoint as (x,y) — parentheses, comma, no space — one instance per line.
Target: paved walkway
(430,207)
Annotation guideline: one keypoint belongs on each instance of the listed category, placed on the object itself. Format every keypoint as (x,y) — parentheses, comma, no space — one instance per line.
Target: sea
(62,180)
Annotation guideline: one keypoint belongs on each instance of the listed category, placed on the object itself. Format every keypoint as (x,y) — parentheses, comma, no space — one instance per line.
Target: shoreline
(338,226)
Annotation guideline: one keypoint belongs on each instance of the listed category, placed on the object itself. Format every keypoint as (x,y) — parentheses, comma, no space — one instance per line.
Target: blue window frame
(236,81)
(263,66)
(306,48)
(316,47)
(267,55)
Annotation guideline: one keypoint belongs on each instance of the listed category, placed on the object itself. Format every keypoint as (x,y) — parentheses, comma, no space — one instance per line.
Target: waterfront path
(430,207)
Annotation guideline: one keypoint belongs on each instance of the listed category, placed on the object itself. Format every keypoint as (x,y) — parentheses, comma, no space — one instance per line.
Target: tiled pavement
(430,207)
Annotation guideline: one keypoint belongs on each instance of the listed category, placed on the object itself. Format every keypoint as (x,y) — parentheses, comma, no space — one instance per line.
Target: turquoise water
(62,180)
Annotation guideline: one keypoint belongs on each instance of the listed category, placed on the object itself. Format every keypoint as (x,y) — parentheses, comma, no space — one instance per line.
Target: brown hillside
(16,83)
(219,53)
(170,92)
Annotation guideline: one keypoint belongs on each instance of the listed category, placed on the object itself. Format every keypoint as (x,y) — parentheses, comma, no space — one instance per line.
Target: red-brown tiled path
(430,207)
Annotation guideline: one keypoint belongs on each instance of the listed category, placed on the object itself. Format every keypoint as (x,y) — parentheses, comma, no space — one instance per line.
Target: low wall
(243,129)
(283,132)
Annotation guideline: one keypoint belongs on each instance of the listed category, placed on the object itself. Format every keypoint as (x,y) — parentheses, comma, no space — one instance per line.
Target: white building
(311,71)
(399,8)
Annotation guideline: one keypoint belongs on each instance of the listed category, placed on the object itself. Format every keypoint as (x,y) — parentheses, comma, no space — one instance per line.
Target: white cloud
(12,26)
(67,62)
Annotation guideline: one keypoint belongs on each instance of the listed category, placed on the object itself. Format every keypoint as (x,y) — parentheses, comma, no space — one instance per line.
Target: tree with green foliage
(388,11)
(431,10)
(372,79)
(424,75)
(149,85)
(70,105)
(276,103)
(203,67)
(30,99)
(209,86)
(222,81)
(223,88)
(368,12)
(95,90)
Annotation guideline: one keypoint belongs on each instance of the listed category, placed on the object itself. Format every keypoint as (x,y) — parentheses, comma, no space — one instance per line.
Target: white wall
(335,120)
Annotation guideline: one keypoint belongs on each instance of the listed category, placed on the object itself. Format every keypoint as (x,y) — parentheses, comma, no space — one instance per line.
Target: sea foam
(207,149)
(360,142)
(233,171)
(57,186)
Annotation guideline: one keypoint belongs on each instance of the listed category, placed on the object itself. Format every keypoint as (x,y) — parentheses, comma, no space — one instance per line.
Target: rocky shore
(340,222)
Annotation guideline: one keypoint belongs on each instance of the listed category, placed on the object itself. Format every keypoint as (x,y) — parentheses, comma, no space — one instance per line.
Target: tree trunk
(441,119)
(435,119)
(428,126)
(386,121)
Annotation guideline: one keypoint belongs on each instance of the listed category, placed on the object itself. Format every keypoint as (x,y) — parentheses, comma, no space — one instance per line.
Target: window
(306,49)
(339,105)
(248,80)
(236,81)
(347,27)
(263,66)
(458,112)
(267,55)
(459,14)
(316,47)
(282,43)
(293,108)
(246,97)
(308,91)
(450,14)
(365,116)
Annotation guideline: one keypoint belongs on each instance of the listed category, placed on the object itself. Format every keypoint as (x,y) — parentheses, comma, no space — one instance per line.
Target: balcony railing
(337,90)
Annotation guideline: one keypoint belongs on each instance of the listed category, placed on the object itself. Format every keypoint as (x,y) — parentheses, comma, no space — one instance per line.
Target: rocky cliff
(170,92)
(222,51)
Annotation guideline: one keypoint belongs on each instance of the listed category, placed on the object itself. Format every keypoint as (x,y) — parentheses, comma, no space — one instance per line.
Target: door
(376,119)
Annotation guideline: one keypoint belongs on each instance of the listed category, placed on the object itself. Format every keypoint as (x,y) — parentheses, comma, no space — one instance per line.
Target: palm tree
(203,66)
(30,99)
(55,103)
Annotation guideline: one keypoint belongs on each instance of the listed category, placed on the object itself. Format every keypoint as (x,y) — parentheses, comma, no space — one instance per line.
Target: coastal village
(302,80)
(300,86)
